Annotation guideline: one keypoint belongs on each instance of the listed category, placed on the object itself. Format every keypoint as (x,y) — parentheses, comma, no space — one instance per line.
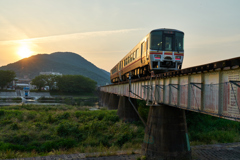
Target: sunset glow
(24,51)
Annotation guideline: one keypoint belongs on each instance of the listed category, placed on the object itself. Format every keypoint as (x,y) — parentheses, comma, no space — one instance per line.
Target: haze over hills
(63,62)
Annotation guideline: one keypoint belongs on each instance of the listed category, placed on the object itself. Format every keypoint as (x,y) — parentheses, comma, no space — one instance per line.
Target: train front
(166,50)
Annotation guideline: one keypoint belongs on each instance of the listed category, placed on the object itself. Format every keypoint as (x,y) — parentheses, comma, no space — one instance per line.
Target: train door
(119,70)
(142,52)
(146,48)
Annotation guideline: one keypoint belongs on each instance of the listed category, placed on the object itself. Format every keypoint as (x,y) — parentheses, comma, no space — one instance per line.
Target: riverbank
(32,131)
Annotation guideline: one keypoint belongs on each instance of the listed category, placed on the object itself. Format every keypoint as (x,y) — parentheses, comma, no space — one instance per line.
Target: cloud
(206,41)
(69,36)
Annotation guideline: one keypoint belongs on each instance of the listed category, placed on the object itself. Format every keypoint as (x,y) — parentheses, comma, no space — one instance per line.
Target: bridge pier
(105,99)
(100,98)
(166,134)
(126,111)
(113,102)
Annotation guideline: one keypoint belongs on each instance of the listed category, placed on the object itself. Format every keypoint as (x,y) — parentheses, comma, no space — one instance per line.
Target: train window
(156,40)
(137,55)
(128,59)
(168,43)
(134,55)
(179,41)
(131,58)
(114,70)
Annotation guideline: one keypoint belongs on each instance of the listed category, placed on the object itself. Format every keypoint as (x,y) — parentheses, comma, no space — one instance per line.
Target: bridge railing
(213,92)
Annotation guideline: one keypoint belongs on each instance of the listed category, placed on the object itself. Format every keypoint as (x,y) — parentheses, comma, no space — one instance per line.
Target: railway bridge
(212,89)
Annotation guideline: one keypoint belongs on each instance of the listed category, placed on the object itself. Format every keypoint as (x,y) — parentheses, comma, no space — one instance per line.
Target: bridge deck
(212,88)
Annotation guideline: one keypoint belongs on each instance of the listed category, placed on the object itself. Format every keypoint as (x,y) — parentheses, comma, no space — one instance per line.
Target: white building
(50,73)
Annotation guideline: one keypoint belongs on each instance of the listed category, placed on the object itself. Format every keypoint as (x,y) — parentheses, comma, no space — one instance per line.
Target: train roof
(166,29)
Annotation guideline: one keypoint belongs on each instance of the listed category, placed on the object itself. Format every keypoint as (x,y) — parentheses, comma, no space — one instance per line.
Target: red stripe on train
(155,53)
(178,54)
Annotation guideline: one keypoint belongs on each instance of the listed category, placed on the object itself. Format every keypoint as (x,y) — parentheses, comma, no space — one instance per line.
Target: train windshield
(156,40)
(179,41)
(169,41)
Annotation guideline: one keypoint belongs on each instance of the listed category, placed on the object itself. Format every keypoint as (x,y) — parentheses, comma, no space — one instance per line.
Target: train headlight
(157,56)
(177,57)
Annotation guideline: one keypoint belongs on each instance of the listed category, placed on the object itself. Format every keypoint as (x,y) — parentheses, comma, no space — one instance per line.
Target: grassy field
(205,129)
(29,131)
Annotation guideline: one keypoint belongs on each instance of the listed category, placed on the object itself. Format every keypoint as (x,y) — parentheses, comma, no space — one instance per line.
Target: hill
(63,62)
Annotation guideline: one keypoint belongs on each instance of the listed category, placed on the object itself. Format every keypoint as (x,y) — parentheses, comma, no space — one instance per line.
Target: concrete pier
(166,134)
(126,111)
(100,98)
(105,99)
(113,102)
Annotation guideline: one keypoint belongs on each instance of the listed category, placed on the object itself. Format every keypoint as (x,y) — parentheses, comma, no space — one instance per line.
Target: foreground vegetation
(206,129)
(29,131)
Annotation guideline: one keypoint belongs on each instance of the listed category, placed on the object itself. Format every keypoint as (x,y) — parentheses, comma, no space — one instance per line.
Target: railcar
(161,50)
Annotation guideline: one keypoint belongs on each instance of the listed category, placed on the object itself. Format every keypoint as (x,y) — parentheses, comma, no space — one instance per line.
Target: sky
(104,31)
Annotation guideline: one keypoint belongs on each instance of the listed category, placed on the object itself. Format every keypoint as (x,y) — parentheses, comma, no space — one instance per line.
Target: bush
(66,128)
(112,118)
(1,112)
(40,126)
(63,116)
(143,109)
(50,119)
(14,126)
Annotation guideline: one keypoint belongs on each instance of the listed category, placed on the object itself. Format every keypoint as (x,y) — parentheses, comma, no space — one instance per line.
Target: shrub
(63,116)
(112,118)
(1,112)
(5,122)
(41,126)
(14,126)
(143,109)
(50,119)
(66,128)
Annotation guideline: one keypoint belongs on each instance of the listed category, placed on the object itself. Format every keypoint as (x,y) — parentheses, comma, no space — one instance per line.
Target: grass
(206,129)
(80,101)
(28,131)
(81,95)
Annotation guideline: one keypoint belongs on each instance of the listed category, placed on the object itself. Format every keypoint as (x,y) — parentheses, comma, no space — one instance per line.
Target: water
(86,103)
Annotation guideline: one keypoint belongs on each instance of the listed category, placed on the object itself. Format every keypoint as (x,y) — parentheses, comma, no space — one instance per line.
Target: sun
(24,51)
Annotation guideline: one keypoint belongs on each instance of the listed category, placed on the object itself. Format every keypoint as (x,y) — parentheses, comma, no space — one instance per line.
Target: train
(161,50)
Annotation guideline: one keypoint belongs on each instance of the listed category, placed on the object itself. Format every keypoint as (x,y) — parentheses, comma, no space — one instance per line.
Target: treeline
(65,83)
(6,76)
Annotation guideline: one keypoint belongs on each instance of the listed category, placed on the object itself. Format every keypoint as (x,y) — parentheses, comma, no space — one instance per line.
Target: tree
(76,84)
(45,80)
(39,81)
(6,76)
(50,80)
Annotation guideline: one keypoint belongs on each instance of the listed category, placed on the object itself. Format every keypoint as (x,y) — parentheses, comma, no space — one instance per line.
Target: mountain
(63,62)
